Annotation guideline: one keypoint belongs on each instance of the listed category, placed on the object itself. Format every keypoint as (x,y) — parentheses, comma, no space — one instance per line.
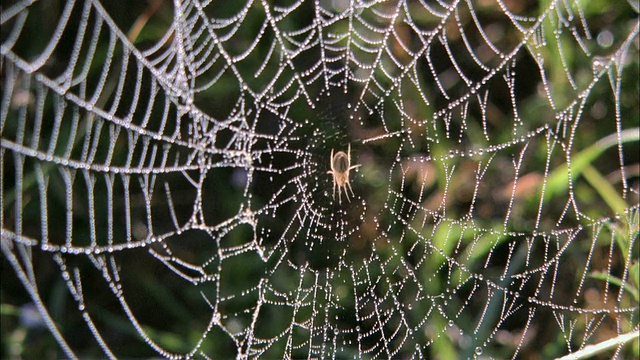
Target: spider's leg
(334,189)
(346,193)
(349,154)
(334,183)
(331,160)
(355,166)
(350,188)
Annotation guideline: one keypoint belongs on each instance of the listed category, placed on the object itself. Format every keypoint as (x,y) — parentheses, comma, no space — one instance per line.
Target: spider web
(165,188)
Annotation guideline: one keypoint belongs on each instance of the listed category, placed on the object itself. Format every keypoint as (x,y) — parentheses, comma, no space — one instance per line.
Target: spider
(340,166)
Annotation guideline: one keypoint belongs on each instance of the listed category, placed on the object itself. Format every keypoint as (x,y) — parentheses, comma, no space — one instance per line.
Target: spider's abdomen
(340,162)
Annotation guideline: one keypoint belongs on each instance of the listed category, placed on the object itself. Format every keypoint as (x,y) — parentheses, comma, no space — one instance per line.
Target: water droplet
(605,38)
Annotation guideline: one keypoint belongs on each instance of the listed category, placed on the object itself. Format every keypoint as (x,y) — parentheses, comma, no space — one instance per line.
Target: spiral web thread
(182,166)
